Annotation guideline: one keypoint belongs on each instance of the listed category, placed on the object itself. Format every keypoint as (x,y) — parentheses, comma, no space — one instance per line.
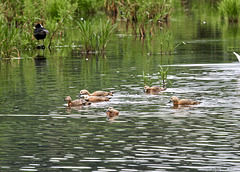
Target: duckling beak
(170,101)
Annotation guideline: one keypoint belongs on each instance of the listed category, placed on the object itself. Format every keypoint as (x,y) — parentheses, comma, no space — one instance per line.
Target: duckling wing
(185,102)
(98,93)
(188,102)
(77,102)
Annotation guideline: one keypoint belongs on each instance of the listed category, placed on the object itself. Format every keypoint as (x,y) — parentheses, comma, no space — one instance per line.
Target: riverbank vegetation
(229,9)
(145,20)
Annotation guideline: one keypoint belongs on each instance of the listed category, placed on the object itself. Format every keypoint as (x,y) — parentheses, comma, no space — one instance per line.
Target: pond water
(39,133)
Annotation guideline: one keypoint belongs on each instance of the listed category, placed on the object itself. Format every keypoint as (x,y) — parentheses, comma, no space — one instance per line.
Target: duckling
(177,102)
(148,89)
(96,93)
(112,112)
(96,98)
(77,102)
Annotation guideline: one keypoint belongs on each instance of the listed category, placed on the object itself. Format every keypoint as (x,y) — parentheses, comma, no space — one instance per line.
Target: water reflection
(40,133)
(148,135)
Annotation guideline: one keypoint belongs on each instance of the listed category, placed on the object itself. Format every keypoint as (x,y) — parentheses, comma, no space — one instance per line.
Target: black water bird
(40,33)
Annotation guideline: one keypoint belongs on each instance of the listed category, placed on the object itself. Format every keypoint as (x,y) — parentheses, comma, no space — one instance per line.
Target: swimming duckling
(96,93)
(177,102)
(148,89)
(77,102)
(112,112)
(96,98)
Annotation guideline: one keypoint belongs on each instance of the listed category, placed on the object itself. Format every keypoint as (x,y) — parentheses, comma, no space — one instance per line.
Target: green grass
(147,79)
(19,19)
(230,9)
(95,39)
(9,38)
(162,76)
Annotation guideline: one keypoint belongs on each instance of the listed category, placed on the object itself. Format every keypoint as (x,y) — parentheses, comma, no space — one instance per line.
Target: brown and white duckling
(96,93)
(148,89)
(77,102)
(177,102)
(112,112)
(95,98)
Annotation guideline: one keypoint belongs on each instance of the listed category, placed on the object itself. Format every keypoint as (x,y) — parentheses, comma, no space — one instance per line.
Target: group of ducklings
(174,99)
(86,98)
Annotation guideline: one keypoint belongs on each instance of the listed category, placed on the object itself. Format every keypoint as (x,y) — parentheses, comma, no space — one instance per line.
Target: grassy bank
(18,19)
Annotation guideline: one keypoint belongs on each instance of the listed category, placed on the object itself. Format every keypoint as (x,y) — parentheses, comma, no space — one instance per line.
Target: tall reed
(230,9)
(9,39)
(147,79)
(162,76)
(17,21)
(95,39)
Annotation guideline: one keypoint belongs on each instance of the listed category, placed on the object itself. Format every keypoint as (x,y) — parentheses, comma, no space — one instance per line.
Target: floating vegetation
(230,9)
(95,39)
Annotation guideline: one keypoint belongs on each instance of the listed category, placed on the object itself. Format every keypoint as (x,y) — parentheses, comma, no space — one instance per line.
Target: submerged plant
(95,39)
(230,8)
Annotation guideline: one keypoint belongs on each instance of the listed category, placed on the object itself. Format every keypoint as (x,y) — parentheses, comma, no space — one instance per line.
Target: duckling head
(146,88)
(110,109)
(174,99)
(68,98)
(82,93)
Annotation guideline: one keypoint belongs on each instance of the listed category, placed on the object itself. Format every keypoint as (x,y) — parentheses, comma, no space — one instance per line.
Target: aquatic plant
(149,43)
(95,39)
(230,8)
(140,12)
(166,43)
(22,16)
(162,76)
(89,6)
(9,37)
(59,12)
(147,79)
